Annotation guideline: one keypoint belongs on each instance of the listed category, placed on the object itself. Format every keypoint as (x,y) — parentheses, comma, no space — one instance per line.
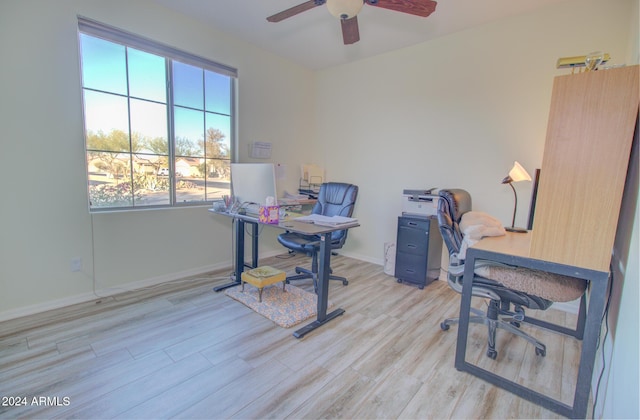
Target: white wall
(45,218)
(454,112)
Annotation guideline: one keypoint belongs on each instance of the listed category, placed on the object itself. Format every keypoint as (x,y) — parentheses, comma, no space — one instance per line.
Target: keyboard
(252,209)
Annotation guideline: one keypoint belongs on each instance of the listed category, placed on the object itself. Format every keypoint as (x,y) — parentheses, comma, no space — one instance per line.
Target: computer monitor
(253,182)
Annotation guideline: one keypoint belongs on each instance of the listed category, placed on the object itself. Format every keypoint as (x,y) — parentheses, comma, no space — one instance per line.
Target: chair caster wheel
(515,324)
(492,354)
(541,352)
(443,326)
(399,281)
(345,282)
(421,287)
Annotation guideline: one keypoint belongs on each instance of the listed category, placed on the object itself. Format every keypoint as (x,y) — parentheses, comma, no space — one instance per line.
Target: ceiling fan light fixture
(344,9)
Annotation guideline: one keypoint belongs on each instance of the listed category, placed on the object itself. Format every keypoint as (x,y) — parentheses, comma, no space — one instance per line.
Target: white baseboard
(570,307)
(108,291)
(377,261)
(46,306)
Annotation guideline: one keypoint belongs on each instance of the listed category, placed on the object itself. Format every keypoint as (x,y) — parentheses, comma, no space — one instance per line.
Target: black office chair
(334,199)
(503,285)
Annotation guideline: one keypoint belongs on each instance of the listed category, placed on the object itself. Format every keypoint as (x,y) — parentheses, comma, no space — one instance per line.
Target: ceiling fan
(347,11)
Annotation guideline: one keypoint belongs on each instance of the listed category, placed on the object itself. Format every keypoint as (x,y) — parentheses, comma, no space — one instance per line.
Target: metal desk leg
(254,245)
(239,251)
(465,307)
(582,316)
(323,289)
(589,344)
(578,332)
(592,325)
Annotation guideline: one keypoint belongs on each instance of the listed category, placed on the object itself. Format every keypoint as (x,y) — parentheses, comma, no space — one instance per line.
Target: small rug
(284,308)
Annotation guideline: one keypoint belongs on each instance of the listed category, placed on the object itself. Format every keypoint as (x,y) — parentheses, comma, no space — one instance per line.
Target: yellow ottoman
(263,276)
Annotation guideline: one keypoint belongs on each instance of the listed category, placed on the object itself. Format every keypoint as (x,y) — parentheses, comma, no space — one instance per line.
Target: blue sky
(105,66)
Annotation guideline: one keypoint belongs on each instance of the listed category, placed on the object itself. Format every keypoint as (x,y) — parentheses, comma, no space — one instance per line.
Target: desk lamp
(516,174)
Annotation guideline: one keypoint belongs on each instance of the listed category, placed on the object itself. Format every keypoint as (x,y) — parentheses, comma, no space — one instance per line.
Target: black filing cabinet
(418,250)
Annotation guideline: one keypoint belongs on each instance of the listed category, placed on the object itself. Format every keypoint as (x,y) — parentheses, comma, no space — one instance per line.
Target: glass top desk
(324,259)
(513,249)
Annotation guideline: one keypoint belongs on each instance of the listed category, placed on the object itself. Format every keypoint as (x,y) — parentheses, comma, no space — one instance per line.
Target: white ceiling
(314,38)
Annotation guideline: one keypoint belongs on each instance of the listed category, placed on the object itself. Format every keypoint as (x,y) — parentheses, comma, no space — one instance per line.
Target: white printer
(422,203)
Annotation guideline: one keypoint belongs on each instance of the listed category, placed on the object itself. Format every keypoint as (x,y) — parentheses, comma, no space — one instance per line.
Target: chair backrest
(336,199)
(452,204)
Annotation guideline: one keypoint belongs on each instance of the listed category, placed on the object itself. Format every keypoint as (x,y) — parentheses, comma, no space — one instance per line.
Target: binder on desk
(321,220)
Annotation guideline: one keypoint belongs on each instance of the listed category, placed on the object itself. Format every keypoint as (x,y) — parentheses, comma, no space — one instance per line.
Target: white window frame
(99,30)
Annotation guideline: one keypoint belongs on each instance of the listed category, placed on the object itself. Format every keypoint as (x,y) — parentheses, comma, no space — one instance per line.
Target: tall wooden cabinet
(590,130)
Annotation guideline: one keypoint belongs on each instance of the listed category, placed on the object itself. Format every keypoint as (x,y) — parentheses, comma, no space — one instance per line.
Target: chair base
(498,318)
(303,273)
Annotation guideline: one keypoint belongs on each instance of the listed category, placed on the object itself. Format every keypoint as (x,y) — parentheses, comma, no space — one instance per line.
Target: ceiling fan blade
(292,11)
(350,31)
(421,8)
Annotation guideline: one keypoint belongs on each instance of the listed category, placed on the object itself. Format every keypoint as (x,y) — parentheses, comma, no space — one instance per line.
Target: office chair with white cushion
(334,199)
(503,285)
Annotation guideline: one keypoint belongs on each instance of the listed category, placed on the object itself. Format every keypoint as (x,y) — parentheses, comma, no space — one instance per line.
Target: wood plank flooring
(182,350)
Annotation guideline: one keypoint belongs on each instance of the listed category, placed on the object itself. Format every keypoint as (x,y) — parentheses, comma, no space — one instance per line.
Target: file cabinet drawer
(414,223)
(412,241)
(411,268)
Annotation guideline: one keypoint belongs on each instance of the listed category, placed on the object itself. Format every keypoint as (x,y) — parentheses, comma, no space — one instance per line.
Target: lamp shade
(344,9)
(517,174)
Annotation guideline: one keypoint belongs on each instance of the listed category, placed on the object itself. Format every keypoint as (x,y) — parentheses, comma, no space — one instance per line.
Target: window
(158,122)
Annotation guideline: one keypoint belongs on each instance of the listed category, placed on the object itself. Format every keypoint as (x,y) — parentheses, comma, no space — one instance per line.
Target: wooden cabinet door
(591,126)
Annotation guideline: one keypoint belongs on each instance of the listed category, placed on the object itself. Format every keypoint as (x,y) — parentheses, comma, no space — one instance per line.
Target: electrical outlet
(76,264)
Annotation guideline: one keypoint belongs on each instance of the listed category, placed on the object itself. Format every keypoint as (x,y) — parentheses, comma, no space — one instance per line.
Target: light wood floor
(182,350)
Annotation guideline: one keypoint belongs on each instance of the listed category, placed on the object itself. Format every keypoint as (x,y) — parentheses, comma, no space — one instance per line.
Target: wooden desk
(324,259)
(513,249)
